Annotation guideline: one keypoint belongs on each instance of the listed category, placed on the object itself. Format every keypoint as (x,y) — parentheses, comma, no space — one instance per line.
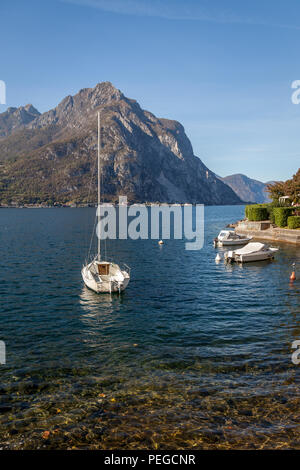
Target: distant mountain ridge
(16,118)
(247,189)
(51,156)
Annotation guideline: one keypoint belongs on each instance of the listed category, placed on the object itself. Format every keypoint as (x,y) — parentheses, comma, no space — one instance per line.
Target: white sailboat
(100,275)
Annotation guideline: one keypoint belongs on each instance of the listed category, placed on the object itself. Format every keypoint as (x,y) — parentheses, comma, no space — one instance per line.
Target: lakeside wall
(264,230)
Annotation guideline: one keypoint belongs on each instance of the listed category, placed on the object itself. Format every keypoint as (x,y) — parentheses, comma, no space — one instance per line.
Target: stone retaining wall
(271,233)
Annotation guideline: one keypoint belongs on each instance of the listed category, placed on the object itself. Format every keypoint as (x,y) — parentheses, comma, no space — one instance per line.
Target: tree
(288,188)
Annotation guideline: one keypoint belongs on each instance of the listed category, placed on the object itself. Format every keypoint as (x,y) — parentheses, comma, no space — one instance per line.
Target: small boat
(103,276)
(161,242)
(252,252)
(229,237)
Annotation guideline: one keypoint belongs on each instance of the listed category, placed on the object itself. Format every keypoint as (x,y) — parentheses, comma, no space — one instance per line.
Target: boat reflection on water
(91,302)
(99,317)
(96,307)
(254,266)
(99,309)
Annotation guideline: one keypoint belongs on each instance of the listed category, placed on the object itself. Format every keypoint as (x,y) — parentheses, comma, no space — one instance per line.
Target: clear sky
(224,69)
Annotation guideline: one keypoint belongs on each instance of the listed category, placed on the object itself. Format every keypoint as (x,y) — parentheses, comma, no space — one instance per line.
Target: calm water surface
(192,355)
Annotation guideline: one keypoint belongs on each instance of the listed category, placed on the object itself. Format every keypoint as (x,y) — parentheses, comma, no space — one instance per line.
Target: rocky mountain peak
(73,112)
(16,118)
(144,157)
(105,92)
(10,110)
(31,109)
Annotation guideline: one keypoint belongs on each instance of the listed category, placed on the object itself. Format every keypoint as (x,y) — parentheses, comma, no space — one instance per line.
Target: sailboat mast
(99,182)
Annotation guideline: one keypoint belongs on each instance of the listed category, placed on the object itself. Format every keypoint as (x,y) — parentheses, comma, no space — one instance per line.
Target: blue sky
(223,69)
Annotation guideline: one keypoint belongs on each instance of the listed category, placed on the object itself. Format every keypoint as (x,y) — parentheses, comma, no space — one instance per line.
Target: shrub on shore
(281,215)
(256,212)
(293,221)
(273,213)
(270,209)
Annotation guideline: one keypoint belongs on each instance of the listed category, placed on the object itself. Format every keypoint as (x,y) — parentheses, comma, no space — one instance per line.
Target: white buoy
(218,258)
(160,242)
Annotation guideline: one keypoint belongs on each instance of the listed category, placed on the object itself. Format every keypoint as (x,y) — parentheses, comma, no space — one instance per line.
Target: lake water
(193,355)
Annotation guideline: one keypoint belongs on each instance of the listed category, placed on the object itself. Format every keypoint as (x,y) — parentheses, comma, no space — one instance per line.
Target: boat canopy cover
(227,234)
(250,248)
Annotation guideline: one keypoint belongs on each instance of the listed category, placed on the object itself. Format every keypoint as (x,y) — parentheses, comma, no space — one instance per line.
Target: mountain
(51,157)
(247,189)
(16,118)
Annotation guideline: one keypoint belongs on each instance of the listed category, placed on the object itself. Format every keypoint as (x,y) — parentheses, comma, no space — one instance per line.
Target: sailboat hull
(102,285)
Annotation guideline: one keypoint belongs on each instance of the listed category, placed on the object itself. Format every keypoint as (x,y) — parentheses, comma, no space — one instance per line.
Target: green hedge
(271,214)
(281,215)
(256,212)
(270,209)
(293,221)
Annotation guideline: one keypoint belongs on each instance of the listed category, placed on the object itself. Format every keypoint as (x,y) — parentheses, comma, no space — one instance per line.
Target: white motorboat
(229,237)
(252,252)
(102,275)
